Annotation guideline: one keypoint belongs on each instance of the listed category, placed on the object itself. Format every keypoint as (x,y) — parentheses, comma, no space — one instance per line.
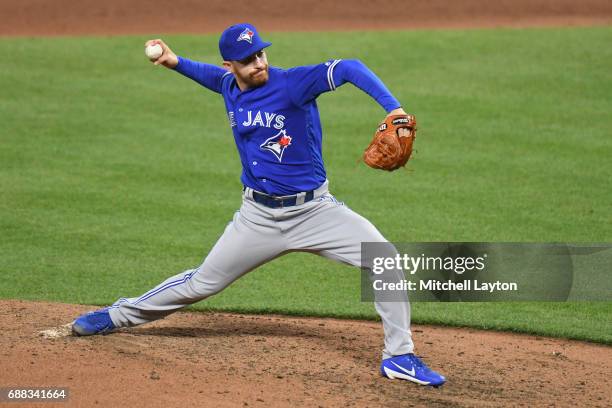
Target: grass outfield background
(115,174)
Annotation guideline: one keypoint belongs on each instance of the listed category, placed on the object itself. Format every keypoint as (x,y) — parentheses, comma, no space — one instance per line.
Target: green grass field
(115,174)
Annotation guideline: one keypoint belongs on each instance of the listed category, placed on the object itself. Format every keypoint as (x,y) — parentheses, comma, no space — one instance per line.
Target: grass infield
(115,174)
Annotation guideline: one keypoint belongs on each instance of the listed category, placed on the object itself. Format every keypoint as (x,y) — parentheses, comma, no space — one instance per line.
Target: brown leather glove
(388,150)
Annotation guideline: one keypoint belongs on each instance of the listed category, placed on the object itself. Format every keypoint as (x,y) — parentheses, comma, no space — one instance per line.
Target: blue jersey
(276,126)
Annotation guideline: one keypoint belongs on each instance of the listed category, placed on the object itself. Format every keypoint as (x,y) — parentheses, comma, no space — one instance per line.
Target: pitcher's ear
(228,66)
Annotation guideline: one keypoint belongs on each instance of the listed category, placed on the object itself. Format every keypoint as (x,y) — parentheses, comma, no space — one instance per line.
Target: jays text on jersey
(276,126)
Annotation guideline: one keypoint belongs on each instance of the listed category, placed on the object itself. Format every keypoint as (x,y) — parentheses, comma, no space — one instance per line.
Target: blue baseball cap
(239,41)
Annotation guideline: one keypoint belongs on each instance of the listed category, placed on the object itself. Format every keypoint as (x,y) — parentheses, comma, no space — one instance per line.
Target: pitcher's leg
(335,231)
(395,316)
(242,247)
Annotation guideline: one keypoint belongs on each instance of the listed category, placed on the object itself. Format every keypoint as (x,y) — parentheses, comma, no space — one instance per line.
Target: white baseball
(154,51)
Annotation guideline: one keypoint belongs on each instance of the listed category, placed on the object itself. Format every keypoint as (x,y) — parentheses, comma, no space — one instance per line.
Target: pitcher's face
(250,72)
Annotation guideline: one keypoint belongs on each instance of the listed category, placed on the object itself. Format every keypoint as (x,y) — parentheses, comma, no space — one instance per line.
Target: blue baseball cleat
(410,367)
(97,322)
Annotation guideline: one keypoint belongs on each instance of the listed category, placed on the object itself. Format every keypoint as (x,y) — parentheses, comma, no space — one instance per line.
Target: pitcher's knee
(202,290)
(201,286)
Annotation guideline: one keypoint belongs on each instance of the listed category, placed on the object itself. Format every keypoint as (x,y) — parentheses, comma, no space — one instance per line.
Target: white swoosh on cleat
(411,372)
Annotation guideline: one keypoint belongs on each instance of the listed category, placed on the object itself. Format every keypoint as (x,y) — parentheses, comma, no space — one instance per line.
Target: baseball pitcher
(286,203)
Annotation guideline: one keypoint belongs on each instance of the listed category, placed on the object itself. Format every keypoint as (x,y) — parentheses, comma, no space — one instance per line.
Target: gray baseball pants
(258,234)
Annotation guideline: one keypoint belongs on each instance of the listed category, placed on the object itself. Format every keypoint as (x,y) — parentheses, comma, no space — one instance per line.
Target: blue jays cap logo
(277,144)
(246,35)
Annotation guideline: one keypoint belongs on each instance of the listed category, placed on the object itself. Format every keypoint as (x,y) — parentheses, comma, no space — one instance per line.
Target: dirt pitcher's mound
(230,360)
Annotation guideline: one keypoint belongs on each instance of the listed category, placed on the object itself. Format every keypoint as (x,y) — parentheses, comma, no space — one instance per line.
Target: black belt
(280,202)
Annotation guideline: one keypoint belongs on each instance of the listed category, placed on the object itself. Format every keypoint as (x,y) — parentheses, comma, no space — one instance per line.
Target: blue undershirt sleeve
(307,82)
(207,75)
(355,72)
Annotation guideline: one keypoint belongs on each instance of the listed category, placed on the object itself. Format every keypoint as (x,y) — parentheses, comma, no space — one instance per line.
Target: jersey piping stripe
(330,75)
